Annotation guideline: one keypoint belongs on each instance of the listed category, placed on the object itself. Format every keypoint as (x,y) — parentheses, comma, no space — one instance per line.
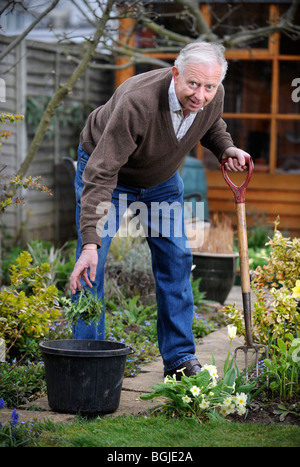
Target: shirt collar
(173,100)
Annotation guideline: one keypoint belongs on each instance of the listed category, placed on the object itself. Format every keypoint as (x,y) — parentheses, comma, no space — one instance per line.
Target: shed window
(261,109)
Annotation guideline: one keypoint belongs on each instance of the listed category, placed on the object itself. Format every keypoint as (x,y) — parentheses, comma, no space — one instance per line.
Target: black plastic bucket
(84,376)
(217,272)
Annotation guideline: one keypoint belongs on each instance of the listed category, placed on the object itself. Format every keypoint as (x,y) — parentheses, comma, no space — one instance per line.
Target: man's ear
(175,72)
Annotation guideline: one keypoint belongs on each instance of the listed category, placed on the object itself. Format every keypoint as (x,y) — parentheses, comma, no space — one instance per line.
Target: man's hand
(87,260)
(236,159)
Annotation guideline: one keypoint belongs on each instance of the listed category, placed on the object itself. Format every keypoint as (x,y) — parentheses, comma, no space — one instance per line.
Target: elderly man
(130,149)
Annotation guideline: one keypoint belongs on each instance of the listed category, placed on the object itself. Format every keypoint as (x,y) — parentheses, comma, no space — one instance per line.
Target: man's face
(197,85)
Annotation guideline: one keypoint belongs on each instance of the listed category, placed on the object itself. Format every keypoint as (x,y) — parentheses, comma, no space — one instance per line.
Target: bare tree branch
(291,12)
(89,20)
(243,37)
(19,39)
(167,34)
(65,89)
(10,4)
(248,35)
(193,7)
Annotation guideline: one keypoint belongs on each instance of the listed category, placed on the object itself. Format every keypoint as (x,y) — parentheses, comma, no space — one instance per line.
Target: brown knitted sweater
(131,141)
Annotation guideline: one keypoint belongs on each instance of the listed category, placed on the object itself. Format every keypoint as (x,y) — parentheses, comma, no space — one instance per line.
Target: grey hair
(202,52)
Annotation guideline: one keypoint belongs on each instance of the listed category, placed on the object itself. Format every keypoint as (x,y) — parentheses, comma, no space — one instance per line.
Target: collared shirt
(181,124)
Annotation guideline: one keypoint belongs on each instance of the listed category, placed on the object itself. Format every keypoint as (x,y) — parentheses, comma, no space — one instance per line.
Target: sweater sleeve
(116,144)
(217,139)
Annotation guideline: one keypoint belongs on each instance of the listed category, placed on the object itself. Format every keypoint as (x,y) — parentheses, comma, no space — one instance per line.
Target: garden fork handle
(239,194)
(244,267)
(239,191)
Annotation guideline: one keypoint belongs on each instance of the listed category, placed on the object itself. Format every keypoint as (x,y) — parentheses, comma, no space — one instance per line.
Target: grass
(159,431)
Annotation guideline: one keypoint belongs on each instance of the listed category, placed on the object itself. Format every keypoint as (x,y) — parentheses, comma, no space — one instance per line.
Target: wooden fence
(31,73)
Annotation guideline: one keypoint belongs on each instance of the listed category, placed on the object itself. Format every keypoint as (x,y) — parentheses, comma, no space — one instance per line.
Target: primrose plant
(204,396)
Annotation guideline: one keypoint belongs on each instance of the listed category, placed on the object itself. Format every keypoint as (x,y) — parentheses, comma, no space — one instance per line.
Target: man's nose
(200,93)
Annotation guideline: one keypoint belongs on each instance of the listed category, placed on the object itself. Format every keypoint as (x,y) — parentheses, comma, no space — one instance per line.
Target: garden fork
(239,195)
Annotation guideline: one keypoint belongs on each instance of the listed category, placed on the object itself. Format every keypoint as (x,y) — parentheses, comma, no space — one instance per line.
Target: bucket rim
(51,347)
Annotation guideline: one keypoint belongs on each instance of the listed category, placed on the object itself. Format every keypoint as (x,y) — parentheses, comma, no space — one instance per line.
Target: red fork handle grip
(239,191)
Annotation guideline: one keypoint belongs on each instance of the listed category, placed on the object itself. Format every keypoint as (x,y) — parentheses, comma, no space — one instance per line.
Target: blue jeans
(171,263)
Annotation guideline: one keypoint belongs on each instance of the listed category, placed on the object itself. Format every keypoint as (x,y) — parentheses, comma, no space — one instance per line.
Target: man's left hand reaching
(87,260)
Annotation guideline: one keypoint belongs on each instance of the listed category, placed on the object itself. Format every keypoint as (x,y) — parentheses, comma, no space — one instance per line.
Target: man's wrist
(90,246)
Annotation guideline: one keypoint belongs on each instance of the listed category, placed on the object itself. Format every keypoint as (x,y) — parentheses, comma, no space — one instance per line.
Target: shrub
(61,260)
(29,305)
(129,263)
(11,184)
(20,384)
(275,310)
(9,257)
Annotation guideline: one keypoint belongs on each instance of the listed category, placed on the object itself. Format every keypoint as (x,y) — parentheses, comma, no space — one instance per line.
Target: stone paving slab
(216,343)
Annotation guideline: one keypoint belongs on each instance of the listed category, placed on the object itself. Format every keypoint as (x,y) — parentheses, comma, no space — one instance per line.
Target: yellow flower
(296,290)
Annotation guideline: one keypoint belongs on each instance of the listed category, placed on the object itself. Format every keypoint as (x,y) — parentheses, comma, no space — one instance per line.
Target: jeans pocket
(180,184)
(176,186)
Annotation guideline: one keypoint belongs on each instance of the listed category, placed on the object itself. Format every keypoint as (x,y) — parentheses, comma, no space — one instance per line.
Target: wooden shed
(261,109)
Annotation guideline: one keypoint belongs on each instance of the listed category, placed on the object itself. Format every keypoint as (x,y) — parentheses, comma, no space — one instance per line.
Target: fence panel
(32,72)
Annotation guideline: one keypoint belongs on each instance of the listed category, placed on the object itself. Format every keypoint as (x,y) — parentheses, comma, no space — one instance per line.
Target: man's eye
(192,83)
